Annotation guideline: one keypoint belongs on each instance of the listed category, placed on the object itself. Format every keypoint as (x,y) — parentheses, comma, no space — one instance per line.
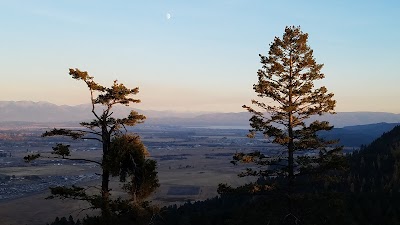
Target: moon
(168,16)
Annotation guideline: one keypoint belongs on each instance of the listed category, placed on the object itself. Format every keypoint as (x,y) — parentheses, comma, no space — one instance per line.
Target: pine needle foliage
(287,101)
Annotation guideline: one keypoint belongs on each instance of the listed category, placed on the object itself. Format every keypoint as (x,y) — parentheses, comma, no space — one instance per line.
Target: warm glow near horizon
(199,56)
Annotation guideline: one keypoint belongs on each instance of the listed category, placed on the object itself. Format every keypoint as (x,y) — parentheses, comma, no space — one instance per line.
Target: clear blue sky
(203,58)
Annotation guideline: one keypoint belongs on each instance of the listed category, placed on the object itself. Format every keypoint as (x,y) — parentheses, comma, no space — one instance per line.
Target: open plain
(191,163)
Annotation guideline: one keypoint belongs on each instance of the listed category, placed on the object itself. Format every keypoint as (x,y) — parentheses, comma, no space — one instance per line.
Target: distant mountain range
(43,112)
(28,111)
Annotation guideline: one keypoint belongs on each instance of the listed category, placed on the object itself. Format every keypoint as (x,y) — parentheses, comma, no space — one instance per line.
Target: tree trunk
(290,128)
(290,164)
(291,141)
(105,178)
(105,194)
(291,154)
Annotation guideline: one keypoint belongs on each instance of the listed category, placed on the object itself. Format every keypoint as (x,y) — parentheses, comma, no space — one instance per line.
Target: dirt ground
(36,209)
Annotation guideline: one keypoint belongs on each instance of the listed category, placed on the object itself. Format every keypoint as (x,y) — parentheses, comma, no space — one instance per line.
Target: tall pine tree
(287,78)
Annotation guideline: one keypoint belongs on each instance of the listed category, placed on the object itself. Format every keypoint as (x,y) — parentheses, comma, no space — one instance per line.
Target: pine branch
(33,157)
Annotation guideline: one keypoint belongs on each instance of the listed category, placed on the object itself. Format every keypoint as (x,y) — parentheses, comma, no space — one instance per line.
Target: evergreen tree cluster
(65,221)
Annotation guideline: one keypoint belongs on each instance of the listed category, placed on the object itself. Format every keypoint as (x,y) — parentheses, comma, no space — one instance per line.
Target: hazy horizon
(197,56)
(137,106)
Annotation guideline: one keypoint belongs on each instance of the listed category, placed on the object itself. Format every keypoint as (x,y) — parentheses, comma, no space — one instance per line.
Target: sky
(195,55)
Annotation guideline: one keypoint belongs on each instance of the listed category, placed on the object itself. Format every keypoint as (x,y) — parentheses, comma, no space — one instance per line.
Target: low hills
(355,136)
